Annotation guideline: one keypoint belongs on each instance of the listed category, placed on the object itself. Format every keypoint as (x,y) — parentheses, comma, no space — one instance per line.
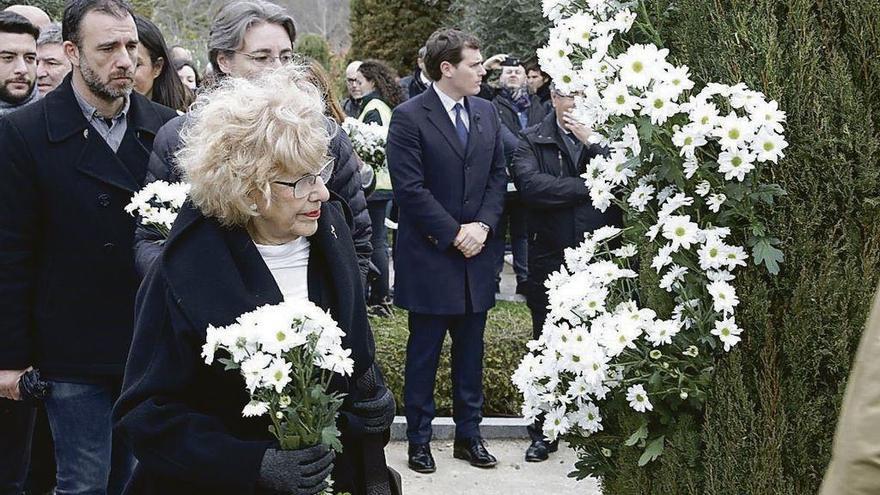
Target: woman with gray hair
(260,227)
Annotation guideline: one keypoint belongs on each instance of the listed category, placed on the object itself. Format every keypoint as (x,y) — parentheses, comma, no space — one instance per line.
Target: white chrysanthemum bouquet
(287,354)
(369,141)
(684,166)
(158,203)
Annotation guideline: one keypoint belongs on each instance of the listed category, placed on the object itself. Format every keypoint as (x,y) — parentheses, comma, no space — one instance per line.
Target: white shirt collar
(447,101)
(424,79)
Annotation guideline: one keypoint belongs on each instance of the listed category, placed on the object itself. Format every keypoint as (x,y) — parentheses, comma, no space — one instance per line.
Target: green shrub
(314,46)
(772,410)
(508,328)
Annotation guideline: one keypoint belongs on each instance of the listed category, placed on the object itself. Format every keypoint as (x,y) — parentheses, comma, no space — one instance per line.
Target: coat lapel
(438,116)
(475,133)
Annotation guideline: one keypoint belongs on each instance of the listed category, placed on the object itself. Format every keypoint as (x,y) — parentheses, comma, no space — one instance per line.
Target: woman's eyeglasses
(265,59)
(307,183)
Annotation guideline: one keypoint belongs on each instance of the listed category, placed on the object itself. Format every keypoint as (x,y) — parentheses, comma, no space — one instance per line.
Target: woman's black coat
(183,417)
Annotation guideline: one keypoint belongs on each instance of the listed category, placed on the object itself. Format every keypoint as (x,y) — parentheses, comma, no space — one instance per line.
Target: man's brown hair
(446,45)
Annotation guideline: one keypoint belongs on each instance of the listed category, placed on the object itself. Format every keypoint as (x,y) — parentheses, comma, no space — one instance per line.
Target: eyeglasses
(264,59)
(303,186)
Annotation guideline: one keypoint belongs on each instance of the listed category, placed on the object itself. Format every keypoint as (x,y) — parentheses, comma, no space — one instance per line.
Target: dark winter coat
(182,417)
(507,112)
(560,211)
(345,181)
(438,186)
(67,275)
(412,85)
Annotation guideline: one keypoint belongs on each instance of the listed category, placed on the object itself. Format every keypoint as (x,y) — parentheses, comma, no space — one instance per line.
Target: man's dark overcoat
(182,417)
(438,186)
(67,276)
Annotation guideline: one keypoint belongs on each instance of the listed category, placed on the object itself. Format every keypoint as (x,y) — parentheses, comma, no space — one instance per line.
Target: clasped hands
(9,383)
(471,239)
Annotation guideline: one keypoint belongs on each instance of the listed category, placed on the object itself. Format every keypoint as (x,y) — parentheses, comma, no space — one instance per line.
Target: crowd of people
(103,388)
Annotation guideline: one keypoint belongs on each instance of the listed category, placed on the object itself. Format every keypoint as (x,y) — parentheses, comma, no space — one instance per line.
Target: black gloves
(376,413)
(32,388)
(296,472)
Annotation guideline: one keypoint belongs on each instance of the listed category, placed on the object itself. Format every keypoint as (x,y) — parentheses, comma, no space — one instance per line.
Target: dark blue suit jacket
(438,186)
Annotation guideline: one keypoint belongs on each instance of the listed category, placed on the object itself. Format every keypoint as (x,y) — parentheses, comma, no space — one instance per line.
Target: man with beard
(70,163)
(18,62)
(517,110)
(52,64)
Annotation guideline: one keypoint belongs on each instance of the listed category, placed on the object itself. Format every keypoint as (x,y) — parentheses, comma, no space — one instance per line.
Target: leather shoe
(420,458)
(540,450)
(474,451)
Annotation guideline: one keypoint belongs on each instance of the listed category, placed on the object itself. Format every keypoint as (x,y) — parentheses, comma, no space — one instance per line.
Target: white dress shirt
(449,105)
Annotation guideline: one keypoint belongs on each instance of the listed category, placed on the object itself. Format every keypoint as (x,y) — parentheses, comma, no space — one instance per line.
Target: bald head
(352,68)
(351,84)
(35,15)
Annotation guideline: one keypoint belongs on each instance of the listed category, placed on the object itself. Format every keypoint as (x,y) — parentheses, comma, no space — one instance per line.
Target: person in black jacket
(248,39)
(258,229)
(547,166)
(539,83)
(416,83)
(69,165)
(517,109)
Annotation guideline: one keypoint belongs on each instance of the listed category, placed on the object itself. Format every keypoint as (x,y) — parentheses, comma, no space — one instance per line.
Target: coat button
(104,199)
(108,247)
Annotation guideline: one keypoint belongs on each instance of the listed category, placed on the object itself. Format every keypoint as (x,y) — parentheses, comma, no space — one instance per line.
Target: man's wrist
(483,226)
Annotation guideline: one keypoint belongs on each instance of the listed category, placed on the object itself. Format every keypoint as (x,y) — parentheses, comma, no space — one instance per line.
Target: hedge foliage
(514,27)
(771,416)
(394,30)
(508,328)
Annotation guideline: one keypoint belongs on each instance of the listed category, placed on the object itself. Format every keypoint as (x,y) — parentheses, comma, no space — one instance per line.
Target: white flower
(339,361)
(212,340)
(679,78)
(589,418)
(681,231)
(600,194)
(662,331)
(663,258)
(255,408)
(723,296)
(675,274)
(711,254)
(727,332)
(691,351)
(626,251)
(735,163)
(604,233)
(688,139)
(768,115)
(735,256)
(734,131)
(556,423)
(277,375)
(638,398)
(659,105)
(703,188)
(703,115)
(640,197)
(640,65)
(768,146)
(618,100)
(690,167)
(715,201)
(253,368)
(673,203)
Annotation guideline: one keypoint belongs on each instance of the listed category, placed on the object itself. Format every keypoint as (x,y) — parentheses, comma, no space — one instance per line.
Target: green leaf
(646,129)
(330,437)
(228,364)
(765,252)
(652,450)
(640,434)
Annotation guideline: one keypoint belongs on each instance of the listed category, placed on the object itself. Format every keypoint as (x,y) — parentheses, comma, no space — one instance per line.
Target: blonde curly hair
(244,134)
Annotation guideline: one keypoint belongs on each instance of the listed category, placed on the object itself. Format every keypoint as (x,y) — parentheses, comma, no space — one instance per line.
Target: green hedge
(508,328)
(771,416)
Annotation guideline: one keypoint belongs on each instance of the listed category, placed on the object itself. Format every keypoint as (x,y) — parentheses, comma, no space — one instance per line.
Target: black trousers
(16,432)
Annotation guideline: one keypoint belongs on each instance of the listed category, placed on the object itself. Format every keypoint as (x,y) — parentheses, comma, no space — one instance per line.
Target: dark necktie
(460,128)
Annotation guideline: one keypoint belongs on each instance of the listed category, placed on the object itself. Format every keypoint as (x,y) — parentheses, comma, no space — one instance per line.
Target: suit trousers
(426,335)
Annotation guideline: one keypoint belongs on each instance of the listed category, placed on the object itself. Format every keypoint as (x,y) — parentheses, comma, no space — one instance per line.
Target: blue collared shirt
(112,130)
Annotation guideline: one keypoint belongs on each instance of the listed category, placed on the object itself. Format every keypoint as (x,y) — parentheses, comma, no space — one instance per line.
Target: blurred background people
(52,63)
(154,76)
(539,83)
(35,15)
(188,74)
(352,104)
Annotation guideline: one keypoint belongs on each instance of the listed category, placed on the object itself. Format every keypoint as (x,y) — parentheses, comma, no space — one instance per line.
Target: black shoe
(420,458)
(474,451)
(540,450)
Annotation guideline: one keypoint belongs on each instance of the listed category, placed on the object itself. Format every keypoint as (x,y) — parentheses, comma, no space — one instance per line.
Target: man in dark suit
(70,163)
(547,166)
(447,165)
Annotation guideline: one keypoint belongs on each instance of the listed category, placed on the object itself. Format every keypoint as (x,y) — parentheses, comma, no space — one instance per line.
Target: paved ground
(512,476)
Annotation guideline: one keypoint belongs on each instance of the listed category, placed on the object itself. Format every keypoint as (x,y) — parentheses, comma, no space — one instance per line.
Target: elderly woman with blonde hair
(260,227)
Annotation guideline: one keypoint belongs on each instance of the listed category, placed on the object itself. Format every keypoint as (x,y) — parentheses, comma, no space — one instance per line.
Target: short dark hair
(76,10)
(446,45)
(10,22)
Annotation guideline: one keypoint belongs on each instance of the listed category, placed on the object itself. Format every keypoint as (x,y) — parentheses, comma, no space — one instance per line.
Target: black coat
(412,85)
(183,417)
(345,181)
(438,186)
(560,211)
(67,275)
(507,113)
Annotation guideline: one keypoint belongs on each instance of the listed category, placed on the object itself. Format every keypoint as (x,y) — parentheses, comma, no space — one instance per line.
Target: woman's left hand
(376,413)
(580,131)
